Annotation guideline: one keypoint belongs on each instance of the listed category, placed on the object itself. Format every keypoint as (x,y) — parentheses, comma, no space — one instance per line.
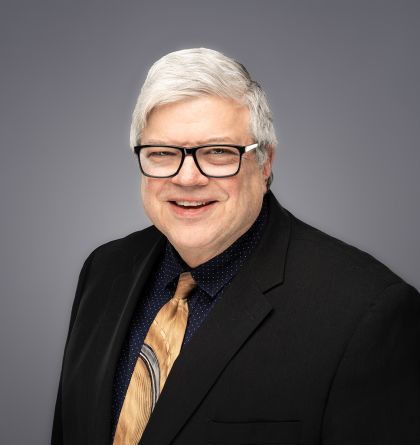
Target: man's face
(231,204)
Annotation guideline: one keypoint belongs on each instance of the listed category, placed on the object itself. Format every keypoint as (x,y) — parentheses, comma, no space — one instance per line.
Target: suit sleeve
(375,395)
(57,430)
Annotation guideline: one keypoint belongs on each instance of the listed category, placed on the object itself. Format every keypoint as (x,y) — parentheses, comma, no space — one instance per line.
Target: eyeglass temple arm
(250,147)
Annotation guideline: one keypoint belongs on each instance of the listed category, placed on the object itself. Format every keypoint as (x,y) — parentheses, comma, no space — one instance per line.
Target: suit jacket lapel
(242,308)
(126,290)
(227,327)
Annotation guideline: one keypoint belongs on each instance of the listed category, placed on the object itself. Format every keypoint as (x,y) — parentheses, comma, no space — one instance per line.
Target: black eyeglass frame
(192,151)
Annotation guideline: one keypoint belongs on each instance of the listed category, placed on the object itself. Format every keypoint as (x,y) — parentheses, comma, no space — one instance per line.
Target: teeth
(190,203)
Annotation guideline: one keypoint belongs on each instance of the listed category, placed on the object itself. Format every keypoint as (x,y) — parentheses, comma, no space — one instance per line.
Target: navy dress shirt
(211,277)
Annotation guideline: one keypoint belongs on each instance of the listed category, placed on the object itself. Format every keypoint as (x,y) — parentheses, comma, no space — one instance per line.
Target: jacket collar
(269,261)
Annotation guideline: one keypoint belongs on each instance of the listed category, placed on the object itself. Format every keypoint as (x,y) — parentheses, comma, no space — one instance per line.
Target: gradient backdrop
(343,81)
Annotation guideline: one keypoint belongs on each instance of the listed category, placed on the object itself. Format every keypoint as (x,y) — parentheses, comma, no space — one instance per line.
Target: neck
(195,257)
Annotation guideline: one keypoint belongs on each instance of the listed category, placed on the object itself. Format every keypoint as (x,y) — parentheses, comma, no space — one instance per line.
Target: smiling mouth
(191,204)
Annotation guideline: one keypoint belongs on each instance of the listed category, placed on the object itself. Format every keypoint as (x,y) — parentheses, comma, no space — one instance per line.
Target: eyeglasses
(213,161)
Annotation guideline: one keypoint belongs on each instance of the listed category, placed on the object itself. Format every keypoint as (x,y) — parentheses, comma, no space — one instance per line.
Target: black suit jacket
(314,342)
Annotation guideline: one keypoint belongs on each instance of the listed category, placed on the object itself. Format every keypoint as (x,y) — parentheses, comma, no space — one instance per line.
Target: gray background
(343,81)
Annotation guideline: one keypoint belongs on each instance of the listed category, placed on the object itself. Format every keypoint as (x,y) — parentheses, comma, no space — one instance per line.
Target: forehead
(198,120)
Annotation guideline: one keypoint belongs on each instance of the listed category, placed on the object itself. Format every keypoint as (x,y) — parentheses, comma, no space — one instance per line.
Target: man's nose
(189,174)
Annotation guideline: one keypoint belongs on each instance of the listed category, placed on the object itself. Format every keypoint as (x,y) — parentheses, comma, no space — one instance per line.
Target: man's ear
(268,164)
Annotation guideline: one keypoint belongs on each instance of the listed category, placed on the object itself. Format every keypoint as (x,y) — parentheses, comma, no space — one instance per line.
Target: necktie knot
(186,284)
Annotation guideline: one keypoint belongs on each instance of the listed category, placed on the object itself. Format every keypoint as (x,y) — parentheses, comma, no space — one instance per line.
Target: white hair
(201,71)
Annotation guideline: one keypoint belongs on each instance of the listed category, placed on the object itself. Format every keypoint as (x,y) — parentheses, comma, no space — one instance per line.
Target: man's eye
(160,154)
(217,151)
(220,151)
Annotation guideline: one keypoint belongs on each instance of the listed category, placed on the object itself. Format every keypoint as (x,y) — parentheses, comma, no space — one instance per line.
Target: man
(284,335)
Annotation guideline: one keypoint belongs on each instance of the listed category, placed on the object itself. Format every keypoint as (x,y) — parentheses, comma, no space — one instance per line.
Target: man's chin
(188,243)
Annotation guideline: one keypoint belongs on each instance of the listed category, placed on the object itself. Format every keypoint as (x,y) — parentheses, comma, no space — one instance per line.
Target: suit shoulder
(339,259)
(130,247)
(326,274)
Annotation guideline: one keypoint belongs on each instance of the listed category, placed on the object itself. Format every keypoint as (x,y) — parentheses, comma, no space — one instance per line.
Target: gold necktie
(158,353)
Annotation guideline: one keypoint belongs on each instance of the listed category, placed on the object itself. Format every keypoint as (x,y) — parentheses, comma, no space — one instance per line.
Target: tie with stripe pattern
(160,349)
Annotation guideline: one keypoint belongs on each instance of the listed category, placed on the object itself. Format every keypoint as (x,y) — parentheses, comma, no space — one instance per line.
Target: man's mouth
(191,204)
